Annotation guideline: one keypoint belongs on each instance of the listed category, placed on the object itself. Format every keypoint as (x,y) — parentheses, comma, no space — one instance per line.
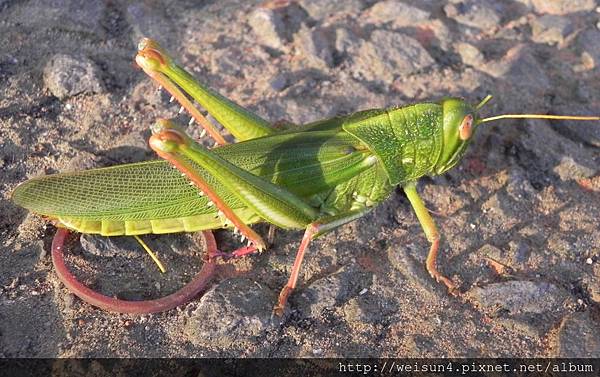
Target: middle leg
(312,231)
(432,235)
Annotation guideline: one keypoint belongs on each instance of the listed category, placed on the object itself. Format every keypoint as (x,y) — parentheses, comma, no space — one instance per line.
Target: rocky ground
(519,216)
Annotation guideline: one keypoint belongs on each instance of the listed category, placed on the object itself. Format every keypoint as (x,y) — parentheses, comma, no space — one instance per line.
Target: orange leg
(310,232)
(432,269)
(313,230)
(198,284)
(238,253)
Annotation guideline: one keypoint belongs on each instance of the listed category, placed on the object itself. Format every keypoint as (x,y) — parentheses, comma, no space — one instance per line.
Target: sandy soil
(519,216)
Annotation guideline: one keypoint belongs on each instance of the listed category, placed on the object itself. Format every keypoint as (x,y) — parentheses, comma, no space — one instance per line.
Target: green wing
(153,197)
(147,197)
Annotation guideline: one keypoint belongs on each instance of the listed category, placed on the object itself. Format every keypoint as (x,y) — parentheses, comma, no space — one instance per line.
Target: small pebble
(474,14)
(148,20)
(66,76)
(470,54)
(550,29)
(563,6)
(279,82)
(319,9)
(569,169)
(69,300)
(314,47)
(519,296)
(274,26)
(376,62)
(233,312)
(268,27)
(401,14)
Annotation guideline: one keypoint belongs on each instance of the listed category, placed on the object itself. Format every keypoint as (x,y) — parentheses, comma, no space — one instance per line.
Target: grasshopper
(315,177)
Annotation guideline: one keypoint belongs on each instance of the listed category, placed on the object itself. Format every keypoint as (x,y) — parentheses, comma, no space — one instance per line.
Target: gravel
(375,62)
(470,54)
(316,47)
(66,76)
(550,29)
(563,6)
(589,42)
(321,10)
(474,13)
(227,319)
(519,297)
(397,13)
(518,216)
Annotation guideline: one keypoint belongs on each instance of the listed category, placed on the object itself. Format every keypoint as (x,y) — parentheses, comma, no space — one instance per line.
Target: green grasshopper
(315,177)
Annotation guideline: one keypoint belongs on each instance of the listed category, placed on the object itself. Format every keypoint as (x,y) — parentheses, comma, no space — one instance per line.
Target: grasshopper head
(461,119)
(459,122)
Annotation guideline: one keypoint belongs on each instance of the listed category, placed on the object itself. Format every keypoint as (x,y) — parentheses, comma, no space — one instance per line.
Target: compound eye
(466,127)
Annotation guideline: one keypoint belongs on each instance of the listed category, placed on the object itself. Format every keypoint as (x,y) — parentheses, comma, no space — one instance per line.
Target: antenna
(483,102)
(538,116)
